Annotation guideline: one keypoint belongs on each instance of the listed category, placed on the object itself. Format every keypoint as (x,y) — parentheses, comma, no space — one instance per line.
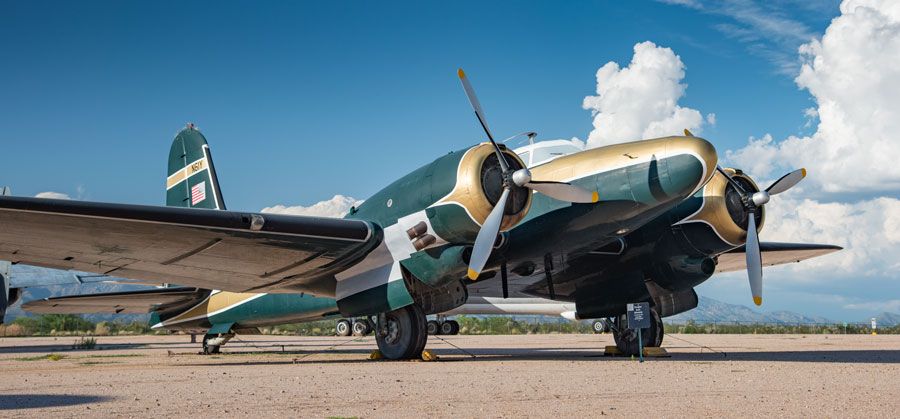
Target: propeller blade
(564,192)
(476,106)
(786,182)
(731,180)
(484,243)
(754,261)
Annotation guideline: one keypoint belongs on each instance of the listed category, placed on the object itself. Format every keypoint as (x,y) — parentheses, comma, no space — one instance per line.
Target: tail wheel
(599,326)
(433,327)
(402,333)
(209,349)
(342,328)
(626,339)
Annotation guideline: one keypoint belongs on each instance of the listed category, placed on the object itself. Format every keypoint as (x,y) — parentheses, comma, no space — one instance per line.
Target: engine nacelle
(458,215)
(715,220)
(682,272)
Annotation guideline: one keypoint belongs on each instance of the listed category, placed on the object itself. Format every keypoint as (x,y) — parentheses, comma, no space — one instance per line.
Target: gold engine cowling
(458,216)
(723,209)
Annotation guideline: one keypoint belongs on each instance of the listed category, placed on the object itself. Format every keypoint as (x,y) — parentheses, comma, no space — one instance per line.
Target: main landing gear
(402,333)
(442,326)
(627,339)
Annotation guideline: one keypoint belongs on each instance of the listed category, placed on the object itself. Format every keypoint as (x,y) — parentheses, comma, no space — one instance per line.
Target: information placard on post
(638,317)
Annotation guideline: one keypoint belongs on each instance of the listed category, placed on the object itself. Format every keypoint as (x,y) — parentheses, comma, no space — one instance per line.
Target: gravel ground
(533,376)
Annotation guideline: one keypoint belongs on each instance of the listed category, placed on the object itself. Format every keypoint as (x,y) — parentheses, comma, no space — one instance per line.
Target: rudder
(192,181)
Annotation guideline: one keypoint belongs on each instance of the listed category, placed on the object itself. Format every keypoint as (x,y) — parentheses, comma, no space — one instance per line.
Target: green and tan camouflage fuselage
(432,215)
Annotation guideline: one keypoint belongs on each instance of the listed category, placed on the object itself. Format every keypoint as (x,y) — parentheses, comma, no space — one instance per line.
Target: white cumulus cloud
(641,100)
(336,207)
(853,73)
(52,195)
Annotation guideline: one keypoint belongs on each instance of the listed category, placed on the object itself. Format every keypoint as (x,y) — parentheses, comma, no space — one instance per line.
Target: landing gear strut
(626,339)
(401,334)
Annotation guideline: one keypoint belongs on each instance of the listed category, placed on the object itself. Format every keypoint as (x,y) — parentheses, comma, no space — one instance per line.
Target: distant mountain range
(709,310)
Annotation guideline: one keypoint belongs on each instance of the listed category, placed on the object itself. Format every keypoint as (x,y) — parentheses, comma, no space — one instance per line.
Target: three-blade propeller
(753,202)
(562,191)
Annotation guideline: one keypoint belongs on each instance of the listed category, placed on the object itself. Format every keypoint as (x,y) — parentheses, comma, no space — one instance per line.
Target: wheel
(361,328)
(342,328)
(403,334)
(447,328)
(626,339)
(454,327)
(209,349)
(599,326)
(433,327)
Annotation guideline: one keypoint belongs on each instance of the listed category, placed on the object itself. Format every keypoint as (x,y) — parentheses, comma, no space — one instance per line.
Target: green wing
(212,249)
(773,254)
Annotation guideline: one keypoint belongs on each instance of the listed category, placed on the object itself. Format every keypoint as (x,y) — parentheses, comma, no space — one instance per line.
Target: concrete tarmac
(490,376)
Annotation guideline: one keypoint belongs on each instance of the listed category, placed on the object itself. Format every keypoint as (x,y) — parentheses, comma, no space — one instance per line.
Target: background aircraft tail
(191,181)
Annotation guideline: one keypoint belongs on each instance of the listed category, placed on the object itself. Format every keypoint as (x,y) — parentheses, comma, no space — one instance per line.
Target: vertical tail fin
(192,181)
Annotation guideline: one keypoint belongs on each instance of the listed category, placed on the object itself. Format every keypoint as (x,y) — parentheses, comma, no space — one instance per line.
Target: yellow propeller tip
(803,170)
(472,274)
(595,197)
(688,133)
(460,73)
(757,301)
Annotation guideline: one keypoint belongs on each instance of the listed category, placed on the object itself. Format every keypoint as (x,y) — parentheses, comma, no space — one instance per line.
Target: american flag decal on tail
(198,193)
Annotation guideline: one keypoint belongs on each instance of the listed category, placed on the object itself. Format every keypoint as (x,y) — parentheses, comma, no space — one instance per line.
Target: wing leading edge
(773,254)
(213,249)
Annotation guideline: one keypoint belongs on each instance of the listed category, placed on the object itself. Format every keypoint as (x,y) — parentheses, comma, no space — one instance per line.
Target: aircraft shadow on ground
(33,401)
(66,345)
(550,354)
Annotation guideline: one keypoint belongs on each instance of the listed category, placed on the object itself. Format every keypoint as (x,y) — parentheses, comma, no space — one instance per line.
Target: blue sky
(301,101)
(304,100)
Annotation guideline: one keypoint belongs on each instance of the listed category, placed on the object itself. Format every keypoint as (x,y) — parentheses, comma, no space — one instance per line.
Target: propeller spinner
(521,178)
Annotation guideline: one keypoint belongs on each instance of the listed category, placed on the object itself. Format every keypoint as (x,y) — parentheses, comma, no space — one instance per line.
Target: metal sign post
(638,316)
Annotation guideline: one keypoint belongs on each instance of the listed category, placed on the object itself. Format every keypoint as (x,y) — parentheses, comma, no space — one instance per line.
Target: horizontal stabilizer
(128,302)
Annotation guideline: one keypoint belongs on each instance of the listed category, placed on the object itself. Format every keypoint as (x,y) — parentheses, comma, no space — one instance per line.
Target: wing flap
(129,302)
(225,250)
(773,254)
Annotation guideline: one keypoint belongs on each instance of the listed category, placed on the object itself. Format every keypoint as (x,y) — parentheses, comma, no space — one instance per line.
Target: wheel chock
(429,356)
(656,352)
(649,351)
(376,355)
(612,350)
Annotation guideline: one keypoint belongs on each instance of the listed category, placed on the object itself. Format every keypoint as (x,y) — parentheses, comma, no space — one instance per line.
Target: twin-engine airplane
(641,221)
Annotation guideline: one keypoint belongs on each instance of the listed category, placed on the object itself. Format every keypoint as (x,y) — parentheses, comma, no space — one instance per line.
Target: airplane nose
(689,163)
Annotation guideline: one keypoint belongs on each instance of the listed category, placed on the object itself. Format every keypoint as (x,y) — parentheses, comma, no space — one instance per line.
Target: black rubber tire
(446,328)
(626,339)
(598,326)
(454,327)
(433,327)
(343,328)
(360,328)
(406,333)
